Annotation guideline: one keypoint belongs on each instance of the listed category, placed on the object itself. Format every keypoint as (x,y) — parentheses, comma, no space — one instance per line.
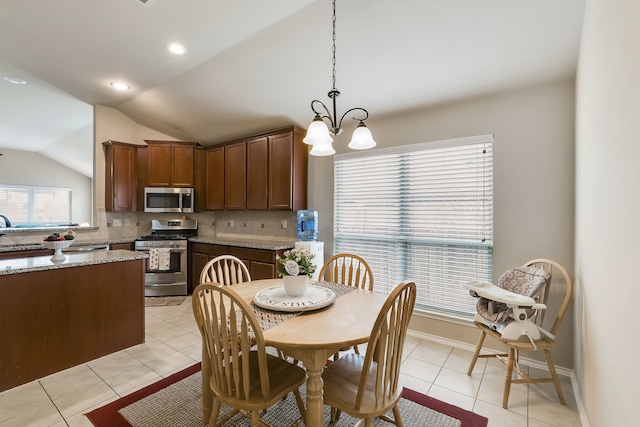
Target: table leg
(207,396)
(313,361)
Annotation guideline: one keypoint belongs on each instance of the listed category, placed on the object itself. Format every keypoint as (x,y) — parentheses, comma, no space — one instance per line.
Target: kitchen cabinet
(262,263)
(265,171)
(235,176)
(199,255)
(167,164)
(121,176)
(125,246)
(25,253)
(61,317)
(288,162)
(214,179)
(258,173)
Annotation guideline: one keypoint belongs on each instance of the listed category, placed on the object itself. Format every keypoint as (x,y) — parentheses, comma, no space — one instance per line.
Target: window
(422,212)
(32,205)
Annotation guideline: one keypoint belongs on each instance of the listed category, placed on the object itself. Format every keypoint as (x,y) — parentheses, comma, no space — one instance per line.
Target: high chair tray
(496,293)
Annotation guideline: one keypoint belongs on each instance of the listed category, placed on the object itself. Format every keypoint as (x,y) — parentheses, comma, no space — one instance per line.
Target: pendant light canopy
(319,134)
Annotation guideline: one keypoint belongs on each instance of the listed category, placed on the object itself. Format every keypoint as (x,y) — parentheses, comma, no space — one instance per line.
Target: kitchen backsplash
(259,225)
(262,225)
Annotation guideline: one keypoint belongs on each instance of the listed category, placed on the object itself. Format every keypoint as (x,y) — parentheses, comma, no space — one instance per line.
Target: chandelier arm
(326,116)
(366,115)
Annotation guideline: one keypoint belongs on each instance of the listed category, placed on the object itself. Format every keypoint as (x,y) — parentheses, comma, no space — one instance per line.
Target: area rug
(176,401)
(163,301)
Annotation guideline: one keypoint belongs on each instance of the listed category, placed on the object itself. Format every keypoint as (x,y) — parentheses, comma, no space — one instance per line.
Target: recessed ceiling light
(177,48)
(120,86)
(15,80)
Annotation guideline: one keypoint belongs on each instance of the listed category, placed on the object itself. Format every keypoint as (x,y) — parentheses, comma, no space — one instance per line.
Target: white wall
(29,168)
(533,178)
(608,212)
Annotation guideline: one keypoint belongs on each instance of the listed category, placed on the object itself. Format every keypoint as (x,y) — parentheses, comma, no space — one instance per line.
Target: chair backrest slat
(384,349)
(226,270)
(347,269)
(230,332)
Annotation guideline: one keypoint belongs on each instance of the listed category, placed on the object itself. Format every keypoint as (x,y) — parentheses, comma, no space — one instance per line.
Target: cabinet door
(120,188)
(125,246)
(182,165)
(198,261)
(215,179)
(235,176)
(262,270)
(159,165)
(280,171)
(257,173)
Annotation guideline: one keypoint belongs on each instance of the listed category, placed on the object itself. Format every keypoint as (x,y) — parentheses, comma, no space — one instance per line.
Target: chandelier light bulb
(322,149)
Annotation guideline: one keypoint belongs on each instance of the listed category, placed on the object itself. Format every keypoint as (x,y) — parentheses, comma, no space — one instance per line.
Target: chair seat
(284,377)
(341,380)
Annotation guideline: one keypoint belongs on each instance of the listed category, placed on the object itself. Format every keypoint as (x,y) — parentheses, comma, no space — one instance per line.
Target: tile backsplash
(263,225)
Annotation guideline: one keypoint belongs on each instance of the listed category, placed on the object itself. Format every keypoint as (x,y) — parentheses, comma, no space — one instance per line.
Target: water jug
(307,225)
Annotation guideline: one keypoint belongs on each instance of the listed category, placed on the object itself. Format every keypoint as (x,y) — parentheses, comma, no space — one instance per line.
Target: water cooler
(307,238)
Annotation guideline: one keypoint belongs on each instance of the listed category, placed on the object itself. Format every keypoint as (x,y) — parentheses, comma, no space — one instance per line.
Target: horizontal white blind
(422,212)
(25,205)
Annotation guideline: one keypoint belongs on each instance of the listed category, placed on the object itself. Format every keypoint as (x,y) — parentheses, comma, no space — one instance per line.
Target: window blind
(25,205)
(421,212)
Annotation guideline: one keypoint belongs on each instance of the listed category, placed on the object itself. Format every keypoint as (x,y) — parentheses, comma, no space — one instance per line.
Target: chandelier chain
(334,44)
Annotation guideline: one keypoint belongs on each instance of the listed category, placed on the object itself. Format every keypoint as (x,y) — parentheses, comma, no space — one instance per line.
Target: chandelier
(319,134)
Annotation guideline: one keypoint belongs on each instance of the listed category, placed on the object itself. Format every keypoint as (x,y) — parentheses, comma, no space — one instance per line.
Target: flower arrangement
(296,262)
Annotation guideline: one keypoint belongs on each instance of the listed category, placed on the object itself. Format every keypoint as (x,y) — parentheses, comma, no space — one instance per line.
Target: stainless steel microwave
(169,199)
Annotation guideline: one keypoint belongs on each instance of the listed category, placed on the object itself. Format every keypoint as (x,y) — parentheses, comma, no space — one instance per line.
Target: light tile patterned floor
(173,343)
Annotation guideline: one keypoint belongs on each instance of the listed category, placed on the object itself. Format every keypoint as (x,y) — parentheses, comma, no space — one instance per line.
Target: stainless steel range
(166,267)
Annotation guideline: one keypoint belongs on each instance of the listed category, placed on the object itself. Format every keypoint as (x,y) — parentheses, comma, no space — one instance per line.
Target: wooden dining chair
(560,286)
(368,386)
(226,270)
(350,270)
(347,269)
(243,376)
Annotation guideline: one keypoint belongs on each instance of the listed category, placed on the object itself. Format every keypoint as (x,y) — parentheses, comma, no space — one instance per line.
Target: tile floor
(173,343)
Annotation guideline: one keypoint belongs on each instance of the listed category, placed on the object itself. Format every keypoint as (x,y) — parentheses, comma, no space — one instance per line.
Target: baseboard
(523,360)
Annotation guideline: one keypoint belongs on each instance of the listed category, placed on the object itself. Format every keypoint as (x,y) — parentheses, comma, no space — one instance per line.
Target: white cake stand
(58,245)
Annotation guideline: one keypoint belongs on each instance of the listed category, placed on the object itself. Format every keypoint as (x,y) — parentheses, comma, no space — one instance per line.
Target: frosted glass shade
(322,149)
(317,133)
(362,138)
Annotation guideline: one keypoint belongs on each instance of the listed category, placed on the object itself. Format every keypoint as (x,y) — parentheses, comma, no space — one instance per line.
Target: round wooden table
(312,337)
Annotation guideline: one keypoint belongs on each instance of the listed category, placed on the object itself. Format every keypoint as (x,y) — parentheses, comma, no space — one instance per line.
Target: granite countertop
(13,247)
(25,265)
(272,245)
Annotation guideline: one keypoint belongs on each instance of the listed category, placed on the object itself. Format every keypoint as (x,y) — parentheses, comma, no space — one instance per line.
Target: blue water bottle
(307,225)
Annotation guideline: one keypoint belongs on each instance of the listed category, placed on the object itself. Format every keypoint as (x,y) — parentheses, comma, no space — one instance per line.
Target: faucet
(7,223)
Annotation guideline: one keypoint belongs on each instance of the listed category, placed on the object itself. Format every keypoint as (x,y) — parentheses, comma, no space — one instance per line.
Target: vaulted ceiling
(254,65)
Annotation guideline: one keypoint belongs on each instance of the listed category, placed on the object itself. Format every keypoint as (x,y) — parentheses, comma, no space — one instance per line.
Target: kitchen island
(57,315)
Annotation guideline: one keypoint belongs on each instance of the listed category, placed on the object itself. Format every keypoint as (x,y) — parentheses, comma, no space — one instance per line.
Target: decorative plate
(275,298)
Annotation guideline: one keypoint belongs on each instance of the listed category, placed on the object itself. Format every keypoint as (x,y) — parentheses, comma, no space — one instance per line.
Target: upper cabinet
(288,160)
(121,174)
(167,164)
(258,173)
(235,176)
(265,171)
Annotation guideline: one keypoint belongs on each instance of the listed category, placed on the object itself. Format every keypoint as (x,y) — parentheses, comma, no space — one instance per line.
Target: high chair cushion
(528,281)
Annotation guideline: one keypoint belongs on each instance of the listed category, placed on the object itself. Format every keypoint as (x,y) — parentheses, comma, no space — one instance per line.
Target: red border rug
(108,415)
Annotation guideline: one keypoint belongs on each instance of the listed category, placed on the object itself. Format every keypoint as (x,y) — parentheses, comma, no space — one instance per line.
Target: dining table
(310,336)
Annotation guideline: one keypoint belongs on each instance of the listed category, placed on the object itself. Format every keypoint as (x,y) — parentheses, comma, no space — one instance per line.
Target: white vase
(295,286)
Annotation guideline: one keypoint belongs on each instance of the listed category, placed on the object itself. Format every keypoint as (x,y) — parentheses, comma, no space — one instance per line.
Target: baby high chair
(513,311)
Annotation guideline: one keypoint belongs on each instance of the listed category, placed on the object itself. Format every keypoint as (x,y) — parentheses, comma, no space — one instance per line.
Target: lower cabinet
(262,263)
(125,246)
